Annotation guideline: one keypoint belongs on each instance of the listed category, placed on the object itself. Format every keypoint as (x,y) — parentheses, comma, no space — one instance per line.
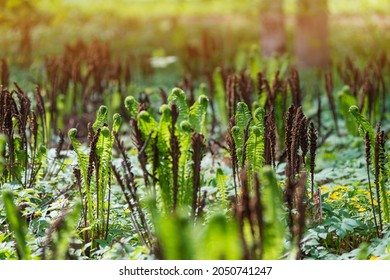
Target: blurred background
(327,29)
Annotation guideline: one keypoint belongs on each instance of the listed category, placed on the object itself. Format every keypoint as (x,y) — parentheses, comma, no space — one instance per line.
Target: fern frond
(132,106)
(185,164)
(198,112)
(164,165)
(146,124)
(82,157)
(364,124)
(17,225)
(273,212)
(242,115)
(221,180)
(101,118)
(254,152)
(117,123)
(178,97)
(258,117)
(164,126)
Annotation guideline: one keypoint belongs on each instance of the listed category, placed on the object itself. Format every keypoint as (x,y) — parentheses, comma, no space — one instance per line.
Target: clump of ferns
(376,163)
(94,175)
(170,150)
(251,140)
(245,139)
(24,130)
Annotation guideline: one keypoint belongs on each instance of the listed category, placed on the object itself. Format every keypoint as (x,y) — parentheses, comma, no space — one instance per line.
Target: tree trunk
(311,40)
(272,33)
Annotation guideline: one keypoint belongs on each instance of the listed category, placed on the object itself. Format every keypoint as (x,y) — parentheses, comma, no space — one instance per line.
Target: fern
(96,172)
(243,115)
(17,225)
(164,131)
(273,212)
(101,118)
(254,142)
(364,124)
(132,106)
(82,157)
(255,152)
(178,97)
(197,115)
(147,124)
(258,117)
(185,167)
(164,166)
(221,180)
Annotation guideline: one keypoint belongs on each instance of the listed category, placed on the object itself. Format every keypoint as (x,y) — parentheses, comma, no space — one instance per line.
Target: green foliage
(248,135)
(95,169)
(365,127)
(243,116)
(364,124)
(17,225)
(181,247)
(221,180)
(273,212)
(218,239)
(158,134)
(346,100)
(178,97)
(62,236)
(131,105)
(219,97)
(197,115)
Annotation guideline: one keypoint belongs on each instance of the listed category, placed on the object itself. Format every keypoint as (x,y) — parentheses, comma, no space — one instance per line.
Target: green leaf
(101,118)
(198,112)
(364,124)
(17,225)
(132,106)
(274,227)
(178,97)
(221,240)
(221,180)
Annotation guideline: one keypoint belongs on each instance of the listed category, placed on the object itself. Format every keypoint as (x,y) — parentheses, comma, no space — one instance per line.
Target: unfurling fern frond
(243,117)
(198,112)
(178,97)
(82,157)
(101,118)
(132,106)
(364,124)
